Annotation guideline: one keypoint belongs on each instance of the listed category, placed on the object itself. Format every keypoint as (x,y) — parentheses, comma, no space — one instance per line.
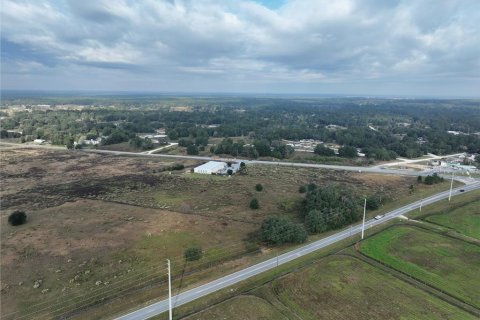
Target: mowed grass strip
(465,219)
(445,263)
(336,287)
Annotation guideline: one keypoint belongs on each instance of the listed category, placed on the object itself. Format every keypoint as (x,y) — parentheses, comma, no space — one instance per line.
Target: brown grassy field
(96,220)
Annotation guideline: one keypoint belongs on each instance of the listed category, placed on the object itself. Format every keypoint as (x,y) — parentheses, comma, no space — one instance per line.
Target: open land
(95,221)
(336,287)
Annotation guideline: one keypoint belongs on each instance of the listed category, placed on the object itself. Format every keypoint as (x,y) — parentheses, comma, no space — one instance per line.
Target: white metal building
(210,167)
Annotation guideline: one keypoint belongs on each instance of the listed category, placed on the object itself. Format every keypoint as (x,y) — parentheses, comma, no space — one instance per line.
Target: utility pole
(169,291)
(364,211)
(421,202)
(451,186)
(277,260)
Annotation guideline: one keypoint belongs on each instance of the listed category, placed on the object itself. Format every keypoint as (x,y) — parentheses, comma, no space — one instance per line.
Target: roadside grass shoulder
(465,219)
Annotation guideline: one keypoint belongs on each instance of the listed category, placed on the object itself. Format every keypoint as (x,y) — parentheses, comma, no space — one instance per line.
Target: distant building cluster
(459,133)
(455,164)
(159,136)
(304,145)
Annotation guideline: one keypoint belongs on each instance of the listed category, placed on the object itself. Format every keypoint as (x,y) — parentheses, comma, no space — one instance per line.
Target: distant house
(211,167)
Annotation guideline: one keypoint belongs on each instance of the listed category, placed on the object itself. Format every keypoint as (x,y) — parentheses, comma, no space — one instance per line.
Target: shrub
(229,172)
(259,187)
(193,254)
(17,218)
(419,179)
(178,166)
(433,179)
(302,189)
(254,204)
(311,186)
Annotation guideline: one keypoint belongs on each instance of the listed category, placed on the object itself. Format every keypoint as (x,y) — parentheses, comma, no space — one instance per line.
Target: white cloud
(314,42)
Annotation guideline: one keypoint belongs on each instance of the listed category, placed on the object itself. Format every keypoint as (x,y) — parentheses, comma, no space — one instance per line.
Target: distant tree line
(408,128)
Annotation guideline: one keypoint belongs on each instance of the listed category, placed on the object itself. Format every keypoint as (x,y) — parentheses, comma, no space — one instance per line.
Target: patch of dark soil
(53,195)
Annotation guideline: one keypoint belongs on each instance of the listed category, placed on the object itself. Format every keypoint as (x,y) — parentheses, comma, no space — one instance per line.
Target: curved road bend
(221,283)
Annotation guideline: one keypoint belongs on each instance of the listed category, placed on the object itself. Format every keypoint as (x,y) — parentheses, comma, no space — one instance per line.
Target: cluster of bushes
(381,154)
(430,179)
(140,143)
(278,230)
(194,145)
(321,150)
(344,152)
(5,134)
(117,136)
(176,166)
(323,209)
(351,152)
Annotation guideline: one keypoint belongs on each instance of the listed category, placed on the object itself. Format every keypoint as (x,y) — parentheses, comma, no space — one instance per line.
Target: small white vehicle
(380,216)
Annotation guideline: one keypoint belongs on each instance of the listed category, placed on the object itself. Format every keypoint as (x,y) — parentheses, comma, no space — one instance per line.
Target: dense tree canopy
(330,207)
(279,230)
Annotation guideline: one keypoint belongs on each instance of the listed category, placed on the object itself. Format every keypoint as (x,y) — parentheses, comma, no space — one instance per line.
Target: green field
(465,219)
(240,308)
(337,287)
(445,263)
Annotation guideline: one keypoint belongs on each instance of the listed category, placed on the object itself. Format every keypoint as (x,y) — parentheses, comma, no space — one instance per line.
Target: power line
(330,216)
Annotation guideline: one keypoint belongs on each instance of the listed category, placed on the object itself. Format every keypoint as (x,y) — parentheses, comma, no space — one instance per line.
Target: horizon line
(228,93)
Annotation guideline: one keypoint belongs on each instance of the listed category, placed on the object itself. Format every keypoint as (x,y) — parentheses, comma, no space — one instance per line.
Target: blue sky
(364,47)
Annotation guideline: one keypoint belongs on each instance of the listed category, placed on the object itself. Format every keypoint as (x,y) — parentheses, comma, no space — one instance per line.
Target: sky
(364,47)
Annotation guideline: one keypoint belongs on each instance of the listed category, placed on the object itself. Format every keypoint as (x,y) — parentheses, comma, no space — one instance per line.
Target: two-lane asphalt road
(226,281)
(381,169)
